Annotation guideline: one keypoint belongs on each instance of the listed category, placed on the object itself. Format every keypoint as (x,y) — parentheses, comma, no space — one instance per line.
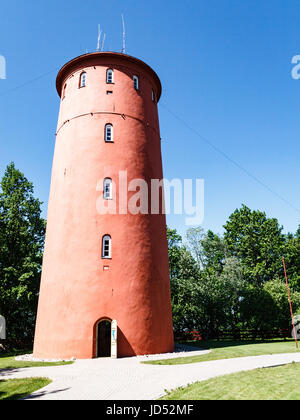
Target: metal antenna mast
(124,36)
(99,37)
(104,37)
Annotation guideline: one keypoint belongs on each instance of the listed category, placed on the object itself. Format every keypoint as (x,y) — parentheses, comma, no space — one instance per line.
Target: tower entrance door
(104,339)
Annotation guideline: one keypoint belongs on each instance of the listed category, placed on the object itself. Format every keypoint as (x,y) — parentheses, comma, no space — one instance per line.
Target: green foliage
(236,281)
(16,389)
(184,284)
(292,259)
(174,244)
(277,290)
(195,237)
(22,233)
(257,309)
(214,251)
(214,302)
(257,241)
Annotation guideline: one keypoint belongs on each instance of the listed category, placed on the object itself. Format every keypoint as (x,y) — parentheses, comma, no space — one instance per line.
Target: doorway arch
(103,335)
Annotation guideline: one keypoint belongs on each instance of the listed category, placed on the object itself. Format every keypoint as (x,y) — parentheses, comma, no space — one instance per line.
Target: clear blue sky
(225,66)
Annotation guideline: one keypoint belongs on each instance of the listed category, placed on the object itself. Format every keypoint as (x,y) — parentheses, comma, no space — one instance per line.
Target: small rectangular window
(106,247)
(109,133)
(136,82)
(107,190)
(110,76)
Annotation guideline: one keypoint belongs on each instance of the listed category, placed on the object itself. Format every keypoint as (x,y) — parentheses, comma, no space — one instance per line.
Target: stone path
(128,379)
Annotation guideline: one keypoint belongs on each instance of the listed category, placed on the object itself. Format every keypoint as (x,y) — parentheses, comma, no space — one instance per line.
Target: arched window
(136,82)
(64,91)
(82,80)
(107,189)
(109,133)
(110,76)
(106,246)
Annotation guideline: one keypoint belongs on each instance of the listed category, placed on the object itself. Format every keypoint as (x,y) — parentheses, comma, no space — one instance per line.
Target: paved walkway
(128,379)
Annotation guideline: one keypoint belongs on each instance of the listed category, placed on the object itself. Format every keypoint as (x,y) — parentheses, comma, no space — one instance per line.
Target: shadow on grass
(25,388)
(42,393)
(28,396)
(9,371)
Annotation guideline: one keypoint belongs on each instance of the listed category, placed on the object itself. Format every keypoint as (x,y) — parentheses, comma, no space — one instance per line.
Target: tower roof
(105,58)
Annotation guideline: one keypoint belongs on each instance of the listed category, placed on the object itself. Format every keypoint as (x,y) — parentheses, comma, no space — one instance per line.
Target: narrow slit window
(109,133)
(110,76)
(107,189)
(153,95)
(64,91)
(106,247)
(82,81)
(136,82)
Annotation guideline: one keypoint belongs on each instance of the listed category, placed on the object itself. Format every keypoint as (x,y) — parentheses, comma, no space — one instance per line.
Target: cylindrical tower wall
(78,286)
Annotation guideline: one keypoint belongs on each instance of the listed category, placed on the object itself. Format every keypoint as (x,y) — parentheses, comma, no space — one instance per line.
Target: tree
(214,251)
(22,233)
(208,249)
(206,285)
(278,291)
(187,304)
(214,302)
(267,308)
(185,291)
(257,310)
(174,244)
(257,242)
(195,237)
(234,283)
(292,259)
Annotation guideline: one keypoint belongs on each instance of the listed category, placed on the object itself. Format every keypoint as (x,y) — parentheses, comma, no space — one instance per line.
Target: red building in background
(100,268)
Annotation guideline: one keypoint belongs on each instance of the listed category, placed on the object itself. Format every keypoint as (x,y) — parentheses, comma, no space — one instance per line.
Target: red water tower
(103,269)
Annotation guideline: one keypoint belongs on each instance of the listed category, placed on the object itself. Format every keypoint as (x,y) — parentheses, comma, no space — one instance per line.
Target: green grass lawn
(231,349)
(9,362)
(15,389)
(278,383)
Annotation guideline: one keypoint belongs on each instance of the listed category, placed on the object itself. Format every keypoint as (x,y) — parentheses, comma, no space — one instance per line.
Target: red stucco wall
(76,292)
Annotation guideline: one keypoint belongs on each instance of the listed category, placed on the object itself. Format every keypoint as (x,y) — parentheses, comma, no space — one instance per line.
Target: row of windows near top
(109,80)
